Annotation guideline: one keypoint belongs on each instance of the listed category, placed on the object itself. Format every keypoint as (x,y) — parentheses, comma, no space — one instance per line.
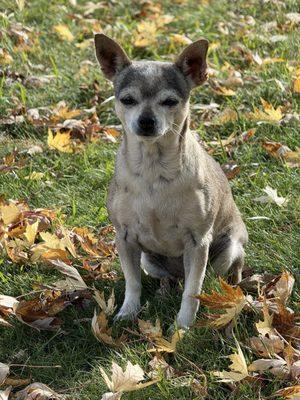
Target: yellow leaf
(52,241)
(153,332)
(64,32)
(265,327)
(20,4)
(61,141)
(296,86)
(35,176)
(227,115)
(9,213)
(31,231)
(238,368)
(146,34)
(102,332)
(5,57)
(291,393)
(180,39)
(269,115)
(163,345)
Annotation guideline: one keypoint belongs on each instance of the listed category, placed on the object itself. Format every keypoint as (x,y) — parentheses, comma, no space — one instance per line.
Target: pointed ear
(192,62)
(111,57)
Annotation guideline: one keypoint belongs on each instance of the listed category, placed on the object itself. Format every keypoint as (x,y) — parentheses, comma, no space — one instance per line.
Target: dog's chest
(158,214)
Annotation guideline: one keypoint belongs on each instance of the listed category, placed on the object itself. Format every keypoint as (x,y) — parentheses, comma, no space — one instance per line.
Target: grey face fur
(151,97)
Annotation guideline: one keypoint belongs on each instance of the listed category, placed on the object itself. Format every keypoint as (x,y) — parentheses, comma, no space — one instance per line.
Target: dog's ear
(192,62)
(111,57)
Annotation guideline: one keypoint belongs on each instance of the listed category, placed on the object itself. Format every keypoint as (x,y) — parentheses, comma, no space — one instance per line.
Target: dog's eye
(128,101)
(170,102)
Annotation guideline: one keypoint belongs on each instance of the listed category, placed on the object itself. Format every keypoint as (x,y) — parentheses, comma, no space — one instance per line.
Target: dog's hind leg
(227,257)
(154,265)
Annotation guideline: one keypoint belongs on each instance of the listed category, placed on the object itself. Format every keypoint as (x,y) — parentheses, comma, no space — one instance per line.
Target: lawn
(46,57)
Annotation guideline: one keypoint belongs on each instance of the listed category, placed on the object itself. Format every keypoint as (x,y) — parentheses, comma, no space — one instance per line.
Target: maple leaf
(227,115)
(291,393)
(265,327)
(4,371)
(178,39)
(152,332)
(7,304)
(60,141)
(231,300)
(280,287)
(268,115)
(64,32)
(9,213)
(267,346)
(164,346)
(272,197)
(125,380)
(296,86)
(283,152)
(109,306)
(73,279)
(238,368)
(4,395)
(31,232)
(38,391)
(102,332)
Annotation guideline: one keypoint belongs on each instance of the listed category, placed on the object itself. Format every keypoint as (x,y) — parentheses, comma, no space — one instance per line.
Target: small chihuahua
(169,201)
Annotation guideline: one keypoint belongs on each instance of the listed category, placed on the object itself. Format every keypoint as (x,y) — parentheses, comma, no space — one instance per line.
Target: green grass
(77,183)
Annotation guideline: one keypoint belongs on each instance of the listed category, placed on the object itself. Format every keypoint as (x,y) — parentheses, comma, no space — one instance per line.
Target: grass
(77,183)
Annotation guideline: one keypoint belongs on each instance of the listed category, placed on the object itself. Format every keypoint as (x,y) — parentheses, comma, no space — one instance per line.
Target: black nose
(146,125)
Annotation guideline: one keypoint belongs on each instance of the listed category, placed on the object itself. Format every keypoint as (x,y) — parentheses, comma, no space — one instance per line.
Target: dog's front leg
(195,260)
(130,258)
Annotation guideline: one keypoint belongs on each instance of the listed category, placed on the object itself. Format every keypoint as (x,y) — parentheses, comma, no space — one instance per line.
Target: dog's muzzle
(146,125)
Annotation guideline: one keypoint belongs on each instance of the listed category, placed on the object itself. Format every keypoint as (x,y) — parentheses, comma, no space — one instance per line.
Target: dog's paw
(128,311)
(184,321)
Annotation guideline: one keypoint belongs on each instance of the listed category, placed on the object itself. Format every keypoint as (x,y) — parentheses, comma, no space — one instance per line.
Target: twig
(35,366)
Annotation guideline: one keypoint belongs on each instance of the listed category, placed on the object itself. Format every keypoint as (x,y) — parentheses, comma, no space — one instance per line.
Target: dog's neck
(159,160)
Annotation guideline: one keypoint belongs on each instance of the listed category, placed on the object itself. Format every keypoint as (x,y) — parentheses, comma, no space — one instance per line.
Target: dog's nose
(146,125)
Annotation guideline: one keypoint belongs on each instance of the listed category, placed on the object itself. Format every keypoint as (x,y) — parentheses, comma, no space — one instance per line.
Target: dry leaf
(272,197)
(296,86)
(164,346)
(102,332)
(266,346)
(4,395)
(37,391)
(127,380)
(281,151)
(265,327)
(73,279)
(227,115)
(291,393)
(230,300)
(64,32)
(4,371)
(238,368)
(60,141)
(107,307)
(280,287)
(178,39)
(152,332)
(31,232)
(268,115)
(276,366)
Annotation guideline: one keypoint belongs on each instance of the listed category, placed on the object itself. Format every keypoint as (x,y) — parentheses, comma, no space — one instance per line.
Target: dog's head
(151,96)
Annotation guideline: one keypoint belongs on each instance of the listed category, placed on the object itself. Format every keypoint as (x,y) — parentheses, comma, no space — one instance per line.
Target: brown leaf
(267,346)
(292,393)
(230,300)
(37,391)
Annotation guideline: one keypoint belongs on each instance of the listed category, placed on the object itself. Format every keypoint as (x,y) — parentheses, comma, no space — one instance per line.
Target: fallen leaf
(4,395)
(164,346)
(4,371)
(125,380)
(296,86)
(281,151)
(265,327)
(230,300)
(178,39)
(276,366)
(35,176)
(37,391)
(266,346)
(107,307)
(60,141)
(291,393)
(238,368)
(280,287)
(31,232)
(103,333)
(272,197)
(64,32)
(152,332)
(227,115)
(268,115)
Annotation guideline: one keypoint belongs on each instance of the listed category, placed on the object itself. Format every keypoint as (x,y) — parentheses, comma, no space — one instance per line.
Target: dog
(169,201)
